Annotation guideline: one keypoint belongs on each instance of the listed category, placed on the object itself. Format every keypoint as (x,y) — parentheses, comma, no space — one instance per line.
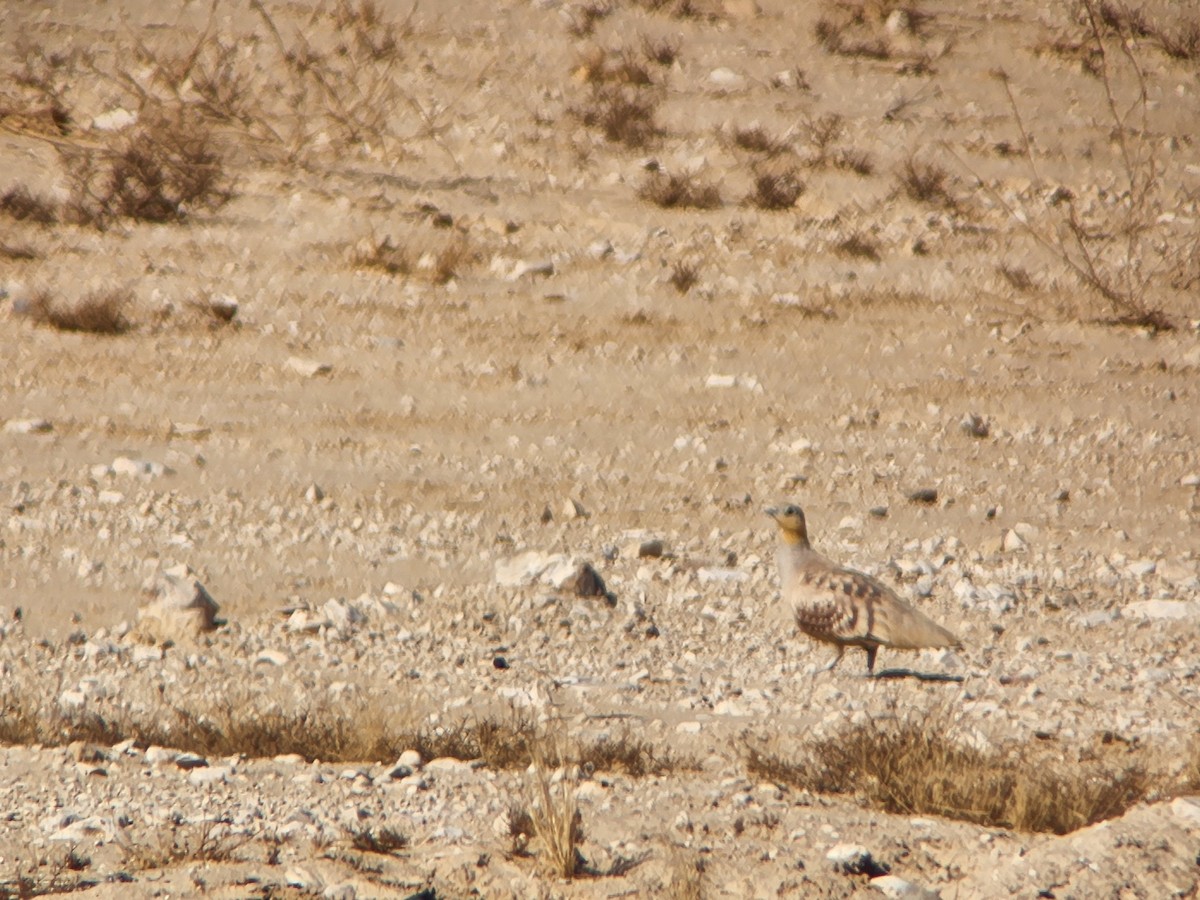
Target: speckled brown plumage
(843,607)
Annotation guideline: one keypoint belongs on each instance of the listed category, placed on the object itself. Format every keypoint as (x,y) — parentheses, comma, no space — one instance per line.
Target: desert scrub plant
(623,114)
(776,190)
(22,205)
(209,840)
(930,766)
(440,263)
(47,874)
(1124,241)
(859,245)
(384,841)
(925,182)
(97,312)
(554,815)
(161,170)
(679,191)
(684,275)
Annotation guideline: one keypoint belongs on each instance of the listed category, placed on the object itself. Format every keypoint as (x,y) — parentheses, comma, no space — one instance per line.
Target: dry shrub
(210,840)
(925,182)
(1126,242)
(857,161)
(384,841)
(47,874)
(684,276)
(663,51)
(679,192)
(859,245)
(554,814)
(623,115)
(582,19)
(686,880)
(757,140)
(159,171)
(18,252)
(600,67)
(438,265)
(98,312)
(926,766)
(21,204)
(776,190)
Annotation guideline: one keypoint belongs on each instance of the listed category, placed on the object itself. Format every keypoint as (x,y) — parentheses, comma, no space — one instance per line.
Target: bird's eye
(793,510)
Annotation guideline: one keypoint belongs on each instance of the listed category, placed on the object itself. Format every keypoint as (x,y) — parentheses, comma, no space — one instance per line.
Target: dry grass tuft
(99,312)
(625,116)
(164,169)
(384,841)
(662,51)
(776,190)
(860,245)
(439,265)
(925,182)
(582,19)
(48,875)
(757,140)
(686,880)
(24,206)
(557,823)
(18,252)
(684,276)
(679,192)
(598,67)
(927,766)
(210,840)
(852,160)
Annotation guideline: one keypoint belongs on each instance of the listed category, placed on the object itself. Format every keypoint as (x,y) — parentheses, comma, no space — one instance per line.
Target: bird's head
(792,527)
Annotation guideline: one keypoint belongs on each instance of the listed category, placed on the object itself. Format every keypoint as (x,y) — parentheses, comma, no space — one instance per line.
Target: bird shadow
(919,676)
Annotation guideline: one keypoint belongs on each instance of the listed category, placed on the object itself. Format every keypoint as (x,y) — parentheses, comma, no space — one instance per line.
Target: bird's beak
(772,511)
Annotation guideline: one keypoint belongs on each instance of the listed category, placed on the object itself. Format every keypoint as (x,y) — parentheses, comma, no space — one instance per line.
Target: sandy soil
(559,395)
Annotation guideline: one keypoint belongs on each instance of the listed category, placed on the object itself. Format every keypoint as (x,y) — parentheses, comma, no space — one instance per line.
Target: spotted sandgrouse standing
(843,607)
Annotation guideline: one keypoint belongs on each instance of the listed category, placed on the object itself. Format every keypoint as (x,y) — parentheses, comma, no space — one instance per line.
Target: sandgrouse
(843,607)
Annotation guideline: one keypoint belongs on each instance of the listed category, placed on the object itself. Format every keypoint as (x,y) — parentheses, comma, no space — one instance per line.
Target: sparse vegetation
(556,821)
(663,51)
(97,312)
(625,116)
(1123,243)
(439,264)
(934,766)
(679,192)
(757,140)
(774,190)
(165,168)
(49,874)
(925,182)
(346,734)
(209,840)
(684,276)
(20,204)
(859,245)
(384,841)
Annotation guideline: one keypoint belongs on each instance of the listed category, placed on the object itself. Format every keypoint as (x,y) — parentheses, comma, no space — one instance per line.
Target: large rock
(181,608)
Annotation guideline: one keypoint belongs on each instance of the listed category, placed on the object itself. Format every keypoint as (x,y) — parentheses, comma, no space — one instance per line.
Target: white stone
(28,426)
(1161,609)
(181,610)
(307,367)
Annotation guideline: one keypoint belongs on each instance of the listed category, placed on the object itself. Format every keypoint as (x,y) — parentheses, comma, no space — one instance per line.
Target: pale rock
(850,859)
(141,468)
(308,368)
(894,886)
(527,568)
(28,426)
(1161,609)
(182,609)
(117,119)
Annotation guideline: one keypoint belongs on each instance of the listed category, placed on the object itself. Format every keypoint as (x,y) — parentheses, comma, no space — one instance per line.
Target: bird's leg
(871,651)
(837,658)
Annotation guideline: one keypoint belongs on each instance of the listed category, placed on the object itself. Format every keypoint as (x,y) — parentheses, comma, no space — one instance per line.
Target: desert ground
(456,351)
